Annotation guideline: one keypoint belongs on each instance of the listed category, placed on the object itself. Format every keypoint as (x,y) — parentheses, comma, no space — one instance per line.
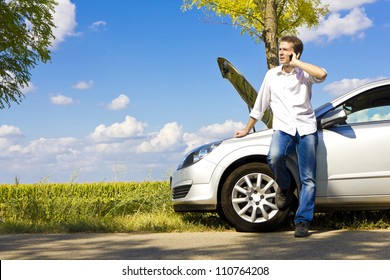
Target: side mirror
(333,117)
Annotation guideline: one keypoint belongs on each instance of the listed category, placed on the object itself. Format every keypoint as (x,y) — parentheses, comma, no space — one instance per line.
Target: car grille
(181,191)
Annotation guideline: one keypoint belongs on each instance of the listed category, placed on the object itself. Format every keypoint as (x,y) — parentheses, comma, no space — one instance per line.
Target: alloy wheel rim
(253,198)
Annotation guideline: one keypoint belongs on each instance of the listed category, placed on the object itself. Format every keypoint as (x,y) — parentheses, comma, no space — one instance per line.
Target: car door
(353,162)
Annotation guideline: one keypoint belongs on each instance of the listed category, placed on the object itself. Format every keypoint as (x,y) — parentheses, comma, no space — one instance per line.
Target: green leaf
(26,35)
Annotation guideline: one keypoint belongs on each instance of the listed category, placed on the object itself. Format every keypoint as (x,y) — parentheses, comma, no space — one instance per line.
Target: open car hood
(243,87)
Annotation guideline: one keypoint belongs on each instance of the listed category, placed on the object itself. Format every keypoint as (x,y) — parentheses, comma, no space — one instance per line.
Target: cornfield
(129,207)
(93,207)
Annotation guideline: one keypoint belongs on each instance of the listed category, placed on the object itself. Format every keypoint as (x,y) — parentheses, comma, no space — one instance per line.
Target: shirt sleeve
(314,80)
(263,99)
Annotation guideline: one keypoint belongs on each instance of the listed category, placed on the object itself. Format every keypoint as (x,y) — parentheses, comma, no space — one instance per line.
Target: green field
(128,207)
(96,207)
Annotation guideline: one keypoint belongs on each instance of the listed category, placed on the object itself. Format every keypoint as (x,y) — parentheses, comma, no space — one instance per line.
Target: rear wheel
(248,199)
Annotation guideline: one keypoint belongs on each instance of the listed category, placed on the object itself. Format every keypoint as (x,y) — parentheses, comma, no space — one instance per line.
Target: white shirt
(289,95)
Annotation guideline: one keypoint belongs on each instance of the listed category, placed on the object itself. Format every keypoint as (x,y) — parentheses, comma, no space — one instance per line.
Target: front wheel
(248,199)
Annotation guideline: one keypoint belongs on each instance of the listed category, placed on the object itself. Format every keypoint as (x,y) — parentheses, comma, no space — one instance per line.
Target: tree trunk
(270,34)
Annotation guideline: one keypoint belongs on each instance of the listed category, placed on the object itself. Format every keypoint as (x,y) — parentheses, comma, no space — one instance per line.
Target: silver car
(353,166)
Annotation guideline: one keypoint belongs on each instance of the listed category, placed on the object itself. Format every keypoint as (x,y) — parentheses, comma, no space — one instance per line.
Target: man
(288,89)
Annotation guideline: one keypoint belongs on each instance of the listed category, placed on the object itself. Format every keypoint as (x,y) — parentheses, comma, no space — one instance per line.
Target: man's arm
(313,70)
(243,132)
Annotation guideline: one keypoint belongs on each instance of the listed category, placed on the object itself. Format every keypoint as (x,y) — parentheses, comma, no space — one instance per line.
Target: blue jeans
(282,145)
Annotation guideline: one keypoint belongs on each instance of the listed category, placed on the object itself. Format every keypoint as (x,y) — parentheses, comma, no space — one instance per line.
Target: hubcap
(253,198)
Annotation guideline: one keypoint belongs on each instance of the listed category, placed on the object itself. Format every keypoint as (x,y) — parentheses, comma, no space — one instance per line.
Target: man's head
(288,46)
(295,41)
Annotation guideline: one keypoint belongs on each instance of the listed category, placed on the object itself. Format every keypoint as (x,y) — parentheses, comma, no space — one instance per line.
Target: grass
(97,207)
(128,207)
(363,220)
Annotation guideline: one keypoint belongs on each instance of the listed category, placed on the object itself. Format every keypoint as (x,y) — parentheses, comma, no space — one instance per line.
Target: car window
(369,115)
(373,105)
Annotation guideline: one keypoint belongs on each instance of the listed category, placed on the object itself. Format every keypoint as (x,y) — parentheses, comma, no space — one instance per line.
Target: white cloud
(338,24)
(29,88)
(335,6)
(98,25)
(340,87)
(121,144)
(363,116)
(127,129)
(61,100)
(119,103)
(10,131)
(50,156)
(82,85)
(40,151)
(167,139)
(221,130)
(4,147)
(211,133)
(55,158)
(53,146)
(172,138)
(335,26)
(379,117)
(64,20)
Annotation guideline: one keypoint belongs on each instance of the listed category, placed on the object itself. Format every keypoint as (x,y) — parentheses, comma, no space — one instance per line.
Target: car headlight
(197,154)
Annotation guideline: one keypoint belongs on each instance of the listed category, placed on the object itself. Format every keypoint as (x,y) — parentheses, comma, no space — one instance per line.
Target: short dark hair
(297,43)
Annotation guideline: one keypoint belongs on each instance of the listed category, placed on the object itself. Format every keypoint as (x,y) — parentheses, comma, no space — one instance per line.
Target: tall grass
(95,207)
(128,207)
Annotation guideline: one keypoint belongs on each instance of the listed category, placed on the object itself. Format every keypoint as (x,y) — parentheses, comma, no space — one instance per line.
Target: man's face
(285,50)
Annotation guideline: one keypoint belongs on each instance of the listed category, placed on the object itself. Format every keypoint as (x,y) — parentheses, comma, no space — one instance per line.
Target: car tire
(248,199)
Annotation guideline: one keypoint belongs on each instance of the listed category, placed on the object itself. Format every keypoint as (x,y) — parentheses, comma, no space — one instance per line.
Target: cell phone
(291,56)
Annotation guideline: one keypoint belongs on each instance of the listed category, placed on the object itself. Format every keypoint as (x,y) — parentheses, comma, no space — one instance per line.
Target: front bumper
(198,197)
(193,188)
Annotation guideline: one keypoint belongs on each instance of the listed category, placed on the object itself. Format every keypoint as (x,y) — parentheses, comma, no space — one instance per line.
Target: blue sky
(133,85)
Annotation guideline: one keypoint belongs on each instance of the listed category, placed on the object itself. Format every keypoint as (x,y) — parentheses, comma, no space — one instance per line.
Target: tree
(25,37)
(265,20)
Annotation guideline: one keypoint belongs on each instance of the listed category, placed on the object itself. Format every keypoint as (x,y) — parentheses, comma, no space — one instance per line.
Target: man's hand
(244,132)
(294,59)
(241,133)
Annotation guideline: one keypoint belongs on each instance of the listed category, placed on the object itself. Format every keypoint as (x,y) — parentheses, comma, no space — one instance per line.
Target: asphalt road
(321,245)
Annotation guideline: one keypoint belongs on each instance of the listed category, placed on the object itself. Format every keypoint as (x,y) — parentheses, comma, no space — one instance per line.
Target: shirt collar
(279,70)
